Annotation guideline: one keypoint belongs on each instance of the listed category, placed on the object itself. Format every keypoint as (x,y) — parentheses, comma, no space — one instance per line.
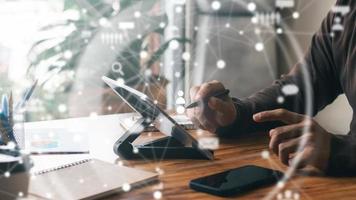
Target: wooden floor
(233,153)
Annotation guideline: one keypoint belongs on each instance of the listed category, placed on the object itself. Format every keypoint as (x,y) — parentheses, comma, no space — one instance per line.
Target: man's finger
(280,134)
(193,91)
(208,88)
(279,115)
(287,148)
(301,159)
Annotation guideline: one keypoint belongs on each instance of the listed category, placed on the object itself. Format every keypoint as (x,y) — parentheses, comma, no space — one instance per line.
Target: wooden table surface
(232,153)
(176,174)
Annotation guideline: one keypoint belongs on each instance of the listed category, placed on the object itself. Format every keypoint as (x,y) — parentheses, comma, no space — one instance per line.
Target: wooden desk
(231,154)
(173,183)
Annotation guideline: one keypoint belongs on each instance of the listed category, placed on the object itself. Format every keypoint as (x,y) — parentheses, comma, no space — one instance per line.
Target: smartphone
(236,181)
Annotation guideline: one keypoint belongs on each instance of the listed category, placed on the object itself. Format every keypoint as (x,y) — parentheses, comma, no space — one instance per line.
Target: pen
(11,110)
(5,137)
(219,94)
(5,105)
(27,96)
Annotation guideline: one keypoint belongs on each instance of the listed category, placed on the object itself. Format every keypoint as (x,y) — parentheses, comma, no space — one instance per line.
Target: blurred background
(160,47)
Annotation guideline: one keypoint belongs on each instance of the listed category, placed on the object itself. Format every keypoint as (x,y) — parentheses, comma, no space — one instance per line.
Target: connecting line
(277,189)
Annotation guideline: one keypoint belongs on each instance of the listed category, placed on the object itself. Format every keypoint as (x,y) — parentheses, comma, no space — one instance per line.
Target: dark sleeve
(342,160)
(316,77)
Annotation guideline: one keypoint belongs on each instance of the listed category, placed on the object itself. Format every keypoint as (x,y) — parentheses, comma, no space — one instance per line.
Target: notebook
(87,179)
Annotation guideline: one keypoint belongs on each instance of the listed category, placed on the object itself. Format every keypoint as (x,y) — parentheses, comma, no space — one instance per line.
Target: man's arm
(317,70)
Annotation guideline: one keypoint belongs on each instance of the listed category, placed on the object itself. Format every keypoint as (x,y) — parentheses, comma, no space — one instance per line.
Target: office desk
(176,174)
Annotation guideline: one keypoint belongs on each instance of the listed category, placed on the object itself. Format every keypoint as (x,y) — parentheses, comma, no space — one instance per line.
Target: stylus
(219,94)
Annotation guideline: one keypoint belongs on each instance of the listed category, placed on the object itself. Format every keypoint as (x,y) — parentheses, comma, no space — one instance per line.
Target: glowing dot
(207,41)
(180,101)
(296,15)
(162,25)
(296,196)
(177,74)
(279,30)
(139,36)
(104,22)
(280,184)
(109,108)
(116,5)
(180,93)
(179,9)
(265,154)
(135,150)
(254,20)
(67,54)
(186,56)
(159,171)
(251,6)
(200,132)
(216,5)
(259,46)
(290,89)
(7,174)
(180,109)
(105,185)
(241,32)
(157,195)
(155,102)
(280,99)
(126,187)
(174,44)
(49,195)
(137,14)
(279,196)
(20,194)
(120,81)
(62,108)
(227,25)
(221,64)
(120,163)
(11,145)
(93,115)
(288,194)
(196,28)
(144,54)
(81,181)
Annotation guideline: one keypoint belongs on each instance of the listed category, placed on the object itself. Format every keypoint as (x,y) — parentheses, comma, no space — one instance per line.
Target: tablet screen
(161,120)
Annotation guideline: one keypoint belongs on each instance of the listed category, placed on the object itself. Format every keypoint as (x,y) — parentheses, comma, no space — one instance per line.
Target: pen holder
(14,173)
(11,123)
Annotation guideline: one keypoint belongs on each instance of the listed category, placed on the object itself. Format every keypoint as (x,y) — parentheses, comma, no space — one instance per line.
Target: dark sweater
(330,64)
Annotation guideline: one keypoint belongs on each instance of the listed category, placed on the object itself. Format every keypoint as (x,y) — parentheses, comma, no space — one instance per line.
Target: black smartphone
(236,181)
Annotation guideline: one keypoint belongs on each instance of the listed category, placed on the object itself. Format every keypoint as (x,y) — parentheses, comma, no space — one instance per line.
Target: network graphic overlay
(137,41)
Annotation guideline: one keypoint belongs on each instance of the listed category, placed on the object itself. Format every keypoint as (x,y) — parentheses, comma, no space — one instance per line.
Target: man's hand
(285,140)
(216,113)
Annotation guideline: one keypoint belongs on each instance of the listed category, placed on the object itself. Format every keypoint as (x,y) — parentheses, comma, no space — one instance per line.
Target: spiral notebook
(87,179)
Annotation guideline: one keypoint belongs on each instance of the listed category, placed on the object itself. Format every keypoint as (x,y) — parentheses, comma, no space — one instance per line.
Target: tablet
(142,104)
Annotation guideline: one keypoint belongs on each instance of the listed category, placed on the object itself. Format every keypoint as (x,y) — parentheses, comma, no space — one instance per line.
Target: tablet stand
(164,148)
